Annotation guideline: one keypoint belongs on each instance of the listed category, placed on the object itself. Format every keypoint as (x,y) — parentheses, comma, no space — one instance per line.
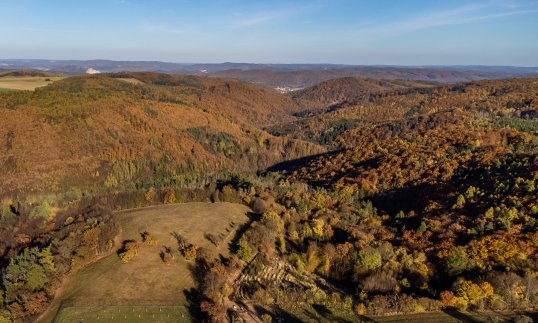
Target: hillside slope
(348,89)
(137,129)
(428,202)
(310,77)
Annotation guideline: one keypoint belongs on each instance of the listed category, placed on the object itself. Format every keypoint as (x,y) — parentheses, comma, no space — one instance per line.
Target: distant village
(287,89)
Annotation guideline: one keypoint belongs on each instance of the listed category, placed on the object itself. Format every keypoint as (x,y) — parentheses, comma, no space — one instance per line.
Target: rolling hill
(427,193)
(368,197)
(85,131)
(280,75)
(348,89)
(27,72)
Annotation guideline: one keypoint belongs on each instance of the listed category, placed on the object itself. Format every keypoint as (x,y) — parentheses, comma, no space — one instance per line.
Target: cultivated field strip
(161,314)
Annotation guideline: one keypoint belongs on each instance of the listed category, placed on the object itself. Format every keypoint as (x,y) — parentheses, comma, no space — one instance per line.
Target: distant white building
(92,71)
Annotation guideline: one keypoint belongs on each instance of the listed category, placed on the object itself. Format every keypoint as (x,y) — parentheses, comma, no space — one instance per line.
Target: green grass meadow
(95,314)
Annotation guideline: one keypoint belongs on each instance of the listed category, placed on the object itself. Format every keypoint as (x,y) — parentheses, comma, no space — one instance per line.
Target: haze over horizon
(269,63)
(418,33)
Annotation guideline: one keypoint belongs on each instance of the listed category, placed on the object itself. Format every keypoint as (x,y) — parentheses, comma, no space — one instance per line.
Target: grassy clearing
(129,80)
(28,83)
(147,279)
(160,314)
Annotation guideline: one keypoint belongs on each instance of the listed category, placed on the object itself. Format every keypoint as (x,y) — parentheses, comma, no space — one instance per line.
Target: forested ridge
(379,197)
(427,201)
(131,129)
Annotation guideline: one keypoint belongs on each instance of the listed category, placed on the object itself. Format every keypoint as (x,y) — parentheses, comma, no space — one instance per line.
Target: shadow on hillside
(417,197)
(290,165)
(285,316)
(280,314)
(410,198)
(198,270)
(462,317)
(241,230)
(326,313)
(193,303)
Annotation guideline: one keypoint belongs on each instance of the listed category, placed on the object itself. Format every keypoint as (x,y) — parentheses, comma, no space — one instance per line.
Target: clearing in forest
(29,83)
(146,281)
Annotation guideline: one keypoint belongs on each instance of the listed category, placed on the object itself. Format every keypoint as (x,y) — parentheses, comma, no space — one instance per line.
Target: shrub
(245,251)
(42,210)
(190,252)
(368,260)
(148,239)
(170,198)
(360,309)
(6,212)
(68,220)
(448,299)
(460,202)
(129,251)
(151,112)
(471,292)
(5,319)
(267,318)
(458,261)
(167,255)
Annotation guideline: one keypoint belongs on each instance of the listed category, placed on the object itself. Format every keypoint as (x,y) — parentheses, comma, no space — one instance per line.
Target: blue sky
(405,32)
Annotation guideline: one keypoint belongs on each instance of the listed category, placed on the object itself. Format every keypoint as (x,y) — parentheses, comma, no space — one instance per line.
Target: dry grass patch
(124,314)
(146,278)
(28,83)
(129,80)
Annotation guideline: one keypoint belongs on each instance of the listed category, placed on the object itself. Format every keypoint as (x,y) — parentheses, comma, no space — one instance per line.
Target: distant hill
(361,120)
(336,91)
(20,73)
(282,75)
(305,78)
(368,197)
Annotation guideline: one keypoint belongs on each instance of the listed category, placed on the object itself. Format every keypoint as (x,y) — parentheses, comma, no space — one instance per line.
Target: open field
(157,314)
(28,83)
(146,280)
(130,80)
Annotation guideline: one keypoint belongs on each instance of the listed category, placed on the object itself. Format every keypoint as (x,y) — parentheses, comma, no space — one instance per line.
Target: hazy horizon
(414,33)
(264,63)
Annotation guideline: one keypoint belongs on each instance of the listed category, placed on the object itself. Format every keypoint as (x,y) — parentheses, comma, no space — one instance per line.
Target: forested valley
(368,197)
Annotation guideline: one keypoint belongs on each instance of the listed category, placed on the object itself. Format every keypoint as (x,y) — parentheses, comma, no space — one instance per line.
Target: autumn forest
(367,198)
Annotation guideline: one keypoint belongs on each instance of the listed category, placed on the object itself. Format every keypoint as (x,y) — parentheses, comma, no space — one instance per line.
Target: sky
(389,32)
